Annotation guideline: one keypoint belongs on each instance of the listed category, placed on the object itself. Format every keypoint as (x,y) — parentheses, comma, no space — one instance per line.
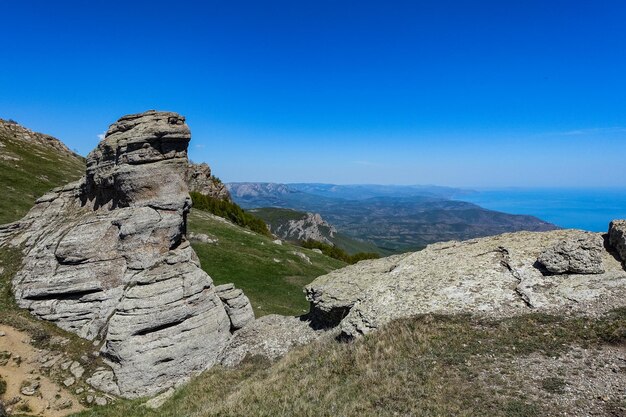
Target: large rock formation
(495,276)
(200,180)
(107,258)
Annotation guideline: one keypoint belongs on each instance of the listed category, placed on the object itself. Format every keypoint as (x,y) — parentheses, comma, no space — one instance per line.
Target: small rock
(30,389)
(104,380)
(77,370)
(303,256)
(2,333)
(317,250)
(3,411)
(159,400)
(89,399)
(62,404)
(68,382)
(66,365)
(80,390)
(277,242)
(101,401)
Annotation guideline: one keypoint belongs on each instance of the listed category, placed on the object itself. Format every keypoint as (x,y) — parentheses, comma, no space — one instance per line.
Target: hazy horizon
(482,94)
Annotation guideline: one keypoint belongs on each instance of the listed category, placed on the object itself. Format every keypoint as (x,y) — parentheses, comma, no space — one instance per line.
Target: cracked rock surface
(494,276)
(107,258)
(581,255)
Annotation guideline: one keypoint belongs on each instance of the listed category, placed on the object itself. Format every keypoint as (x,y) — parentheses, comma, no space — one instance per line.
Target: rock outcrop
(308,226)
(617,237)
(237,305)
(582,255)
(270,337)
(200,180)
(107,258)
(494,276)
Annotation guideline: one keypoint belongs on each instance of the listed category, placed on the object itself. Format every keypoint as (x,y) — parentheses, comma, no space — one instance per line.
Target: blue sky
(462,93)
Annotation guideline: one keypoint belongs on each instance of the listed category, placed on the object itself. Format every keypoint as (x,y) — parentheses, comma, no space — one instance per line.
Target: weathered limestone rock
(493,276)
(200,180)
(237,305)
(270,336)
(617,237)
(107,258)
(582,255)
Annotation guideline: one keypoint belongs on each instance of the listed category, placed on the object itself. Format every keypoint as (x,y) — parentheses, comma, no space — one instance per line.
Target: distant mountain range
(394,218)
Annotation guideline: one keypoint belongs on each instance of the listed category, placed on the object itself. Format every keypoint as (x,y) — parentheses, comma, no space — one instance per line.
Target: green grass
(248,260)
(423,366)
(38,169)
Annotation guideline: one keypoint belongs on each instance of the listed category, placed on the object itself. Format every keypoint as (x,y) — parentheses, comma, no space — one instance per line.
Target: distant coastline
(578,208)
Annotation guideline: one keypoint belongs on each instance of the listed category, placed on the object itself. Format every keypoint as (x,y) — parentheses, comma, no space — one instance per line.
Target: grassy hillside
(28,170)
(424,366)
(271,275)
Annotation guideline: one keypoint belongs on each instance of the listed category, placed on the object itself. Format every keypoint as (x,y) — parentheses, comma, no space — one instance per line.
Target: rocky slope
(563,271)
(292,225)
(200,179)
(12,129)
(297,226)
(107,258)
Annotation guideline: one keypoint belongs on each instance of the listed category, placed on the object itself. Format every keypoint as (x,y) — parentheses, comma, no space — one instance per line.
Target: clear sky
(463,93)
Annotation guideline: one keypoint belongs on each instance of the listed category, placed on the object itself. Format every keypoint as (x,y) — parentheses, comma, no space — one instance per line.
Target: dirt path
(28,390)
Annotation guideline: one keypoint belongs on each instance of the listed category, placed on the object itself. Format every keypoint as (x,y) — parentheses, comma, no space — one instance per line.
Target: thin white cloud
(591,131)
(367,163)
(101,136)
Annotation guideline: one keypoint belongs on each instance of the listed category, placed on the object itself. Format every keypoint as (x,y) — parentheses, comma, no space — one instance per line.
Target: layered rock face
(200,180)
(495,276)
(107,258)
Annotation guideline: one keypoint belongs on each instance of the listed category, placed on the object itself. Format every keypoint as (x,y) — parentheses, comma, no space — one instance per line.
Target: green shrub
(338,253)
(3,386)
(229,211)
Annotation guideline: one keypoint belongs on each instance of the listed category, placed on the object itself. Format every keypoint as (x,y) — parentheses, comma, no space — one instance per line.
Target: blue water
(587,209)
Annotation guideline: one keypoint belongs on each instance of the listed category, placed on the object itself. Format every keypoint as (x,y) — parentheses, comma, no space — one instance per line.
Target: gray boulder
(270,337)
(493,276)
(107,258)
(581,255)
(617,237)
(237,305)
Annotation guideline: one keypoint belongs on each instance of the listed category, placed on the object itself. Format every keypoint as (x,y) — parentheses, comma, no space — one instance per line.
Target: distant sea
(588,208)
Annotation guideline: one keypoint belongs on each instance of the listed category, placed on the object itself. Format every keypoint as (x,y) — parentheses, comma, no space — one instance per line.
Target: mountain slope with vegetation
(30,165)
(271,275)
(298,226)
(406,221)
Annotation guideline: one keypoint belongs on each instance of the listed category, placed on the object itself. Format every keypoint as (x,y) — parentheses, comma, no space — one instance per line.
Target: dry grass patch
(424,366)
